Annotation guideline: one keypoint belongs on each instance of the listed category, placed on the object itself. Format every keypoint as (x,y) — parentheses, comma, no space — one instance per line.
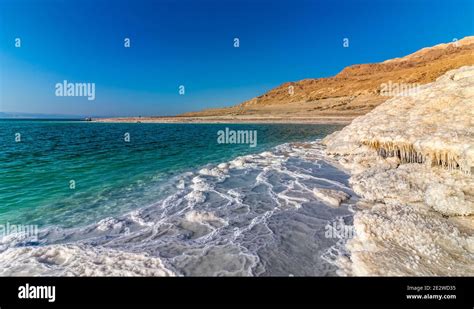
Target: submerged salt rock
(214,172)
(223,166)
(332,198)
(203,217)
(238,162)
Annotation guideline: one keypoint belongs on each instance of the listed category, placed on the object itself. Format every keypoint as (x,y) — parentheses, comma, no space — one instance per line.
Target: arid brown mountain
(354,91)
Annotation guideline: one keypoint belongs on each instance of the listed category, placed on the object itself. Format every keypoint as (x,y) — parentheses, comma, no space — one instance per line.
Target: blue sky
(190,43)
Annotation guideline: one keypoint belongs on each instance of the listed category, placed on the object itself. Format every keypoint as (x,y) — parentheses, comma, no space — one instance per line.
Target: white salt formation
(332,198)
(411,160)
(78,260)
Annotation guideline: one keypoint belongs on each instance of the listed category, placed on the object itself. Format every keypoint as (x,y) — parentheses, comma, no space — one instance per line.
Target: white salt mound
(74,260)
(411,161)
(434,125)
(203,217)
(332,198)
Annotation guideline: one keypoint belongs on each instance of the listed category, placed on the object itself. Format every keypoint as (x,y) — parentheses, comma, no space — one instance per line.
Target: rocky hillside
(356,89)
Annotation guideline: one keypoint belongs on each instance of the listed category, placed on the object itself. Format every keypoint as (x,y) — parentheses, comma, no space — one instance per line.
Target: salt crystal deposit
(411,161)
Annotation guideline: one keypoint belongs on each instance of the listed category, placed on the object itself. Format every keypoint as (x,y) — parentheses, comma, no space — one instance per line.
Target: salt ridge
(411,160)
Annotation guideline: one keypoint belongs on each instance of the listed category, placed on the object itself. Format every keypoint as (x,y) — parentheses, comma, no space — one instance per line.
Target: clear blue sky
(190,43)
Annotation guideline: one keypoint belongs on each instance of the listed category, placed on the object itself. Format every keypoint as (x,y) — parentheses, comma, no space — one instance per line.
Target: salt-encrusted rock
(411,160)
(434,128)
(332,198)
(449,200)
(401,241)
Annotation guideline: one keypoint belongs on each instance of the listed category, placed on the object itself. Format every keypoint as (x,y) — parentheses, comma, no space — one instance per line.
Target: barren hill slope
(355,90)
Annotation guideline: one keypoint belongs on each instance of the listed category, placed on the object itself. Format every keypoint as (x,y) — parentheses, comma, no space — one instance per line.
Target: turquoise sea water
(111,176)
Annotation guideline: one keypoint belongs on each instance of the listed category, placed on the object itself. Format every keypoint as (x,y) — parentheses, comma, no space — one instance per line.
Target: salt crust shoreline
(411,161)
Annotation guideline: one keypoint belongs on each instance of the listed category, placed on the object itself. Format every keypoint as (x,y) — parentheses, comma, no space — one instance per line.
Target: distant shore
(231,119)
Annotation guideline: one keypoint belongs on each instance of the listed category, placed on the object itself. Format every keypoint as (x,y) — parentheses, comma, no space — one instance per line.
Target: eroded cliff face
(412,161)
